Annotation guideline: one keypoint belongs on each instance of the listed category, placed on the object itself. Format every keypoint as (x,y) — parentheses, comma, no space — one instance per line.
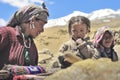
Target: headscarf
(99,35)
(24,15)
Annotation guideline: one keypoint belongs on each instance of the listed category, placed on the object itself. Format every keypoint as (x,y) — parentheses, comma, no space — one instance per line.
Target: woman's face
(78,31)
(38,28)
(107,39)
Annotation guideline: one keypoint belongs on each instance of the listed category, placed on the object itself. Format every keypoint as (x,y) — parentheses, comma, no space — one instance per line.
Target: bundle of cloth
(16,72)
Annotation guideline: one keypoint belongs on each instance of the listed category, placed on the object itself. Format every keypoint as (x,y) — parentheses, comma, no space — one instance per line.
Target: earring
(32,25)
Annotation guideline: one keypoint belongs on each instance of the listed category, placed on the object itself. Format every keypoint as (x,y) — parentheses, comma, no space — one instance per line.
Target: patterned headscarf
(24,15)
(99,35)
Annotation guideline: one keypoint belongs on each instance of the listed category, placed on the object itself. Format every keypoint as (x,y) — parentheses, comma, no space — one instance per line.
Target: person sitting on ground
(78,47)
(104,42)
(17,46)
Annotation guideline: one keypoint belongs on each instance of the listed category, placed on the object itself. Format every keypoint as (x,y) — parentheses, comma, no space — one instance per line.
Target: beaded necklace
(26,53)
(25,44)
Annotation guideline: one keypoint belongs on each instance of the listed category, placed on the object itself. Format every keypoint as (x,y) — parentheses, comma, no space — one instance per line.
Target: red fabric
(20,77)
(12,47)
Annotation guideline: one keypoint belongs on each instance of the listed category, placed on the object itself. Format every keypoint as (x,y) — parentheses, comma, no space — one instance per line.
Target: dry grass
(102,69)
(52,39)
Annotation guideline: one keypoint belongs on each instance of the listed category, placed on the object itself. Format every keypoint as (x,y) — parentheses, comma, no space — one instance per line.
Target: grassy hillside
(53,37)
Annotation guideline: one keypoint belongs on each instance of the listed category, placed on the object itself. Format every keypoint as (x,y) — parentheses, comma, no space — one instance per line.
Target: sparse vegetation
(62,32)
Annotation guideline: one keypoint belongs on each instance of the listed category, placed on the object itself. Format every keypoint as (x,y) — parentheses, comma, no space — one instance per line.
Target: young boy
(78,47)
(104,42)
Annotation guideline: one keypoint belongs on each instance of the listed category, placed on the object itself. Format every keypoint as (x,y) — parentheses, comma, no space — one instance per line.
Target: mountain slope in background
(98,14)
